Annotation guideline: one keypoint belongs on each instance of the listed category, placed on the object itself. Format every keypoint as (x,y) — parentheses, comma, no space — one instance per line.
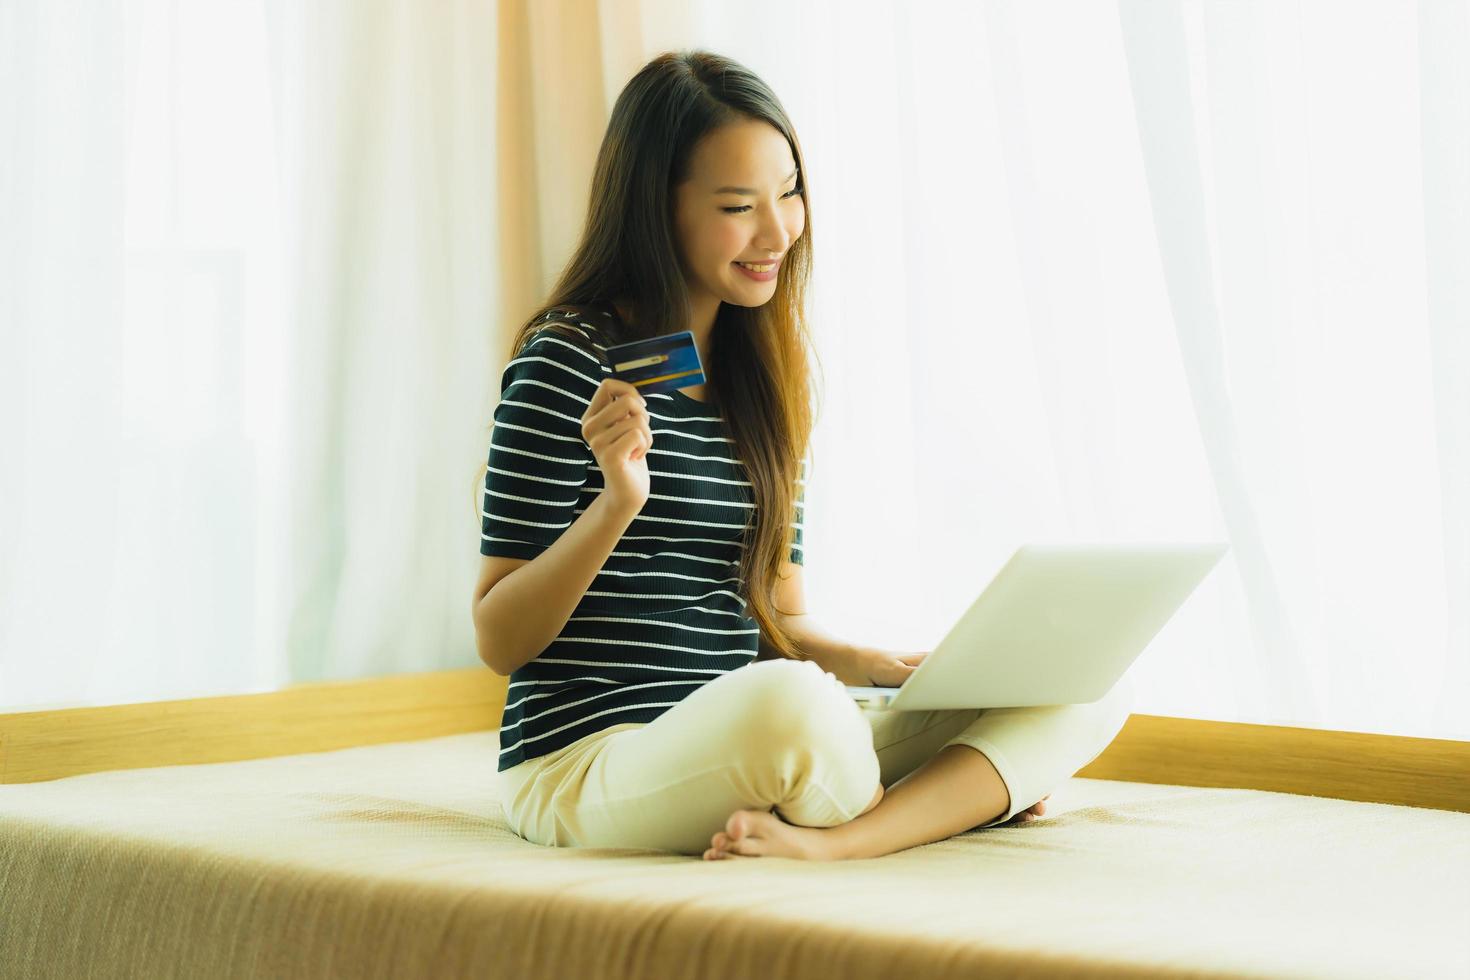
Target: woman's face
(741,203)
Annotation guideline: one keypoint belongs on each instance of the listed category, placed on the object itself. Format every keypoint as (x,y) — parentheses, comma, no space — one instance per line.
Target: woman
(641,584)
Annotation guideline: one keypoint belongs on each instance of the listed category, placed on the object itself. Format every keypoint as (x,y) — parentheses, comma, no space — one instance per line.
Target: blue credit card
(658,364)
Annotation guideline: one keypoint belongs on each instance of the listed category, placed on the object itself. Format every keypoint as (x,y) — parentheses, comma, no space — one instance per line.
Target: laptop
(1058,624)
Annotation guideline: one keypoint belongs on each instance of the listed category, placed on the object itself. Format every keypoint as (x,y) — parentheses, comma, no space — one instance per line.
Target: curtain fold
(1159,74)
(1174,271)
(1444,120)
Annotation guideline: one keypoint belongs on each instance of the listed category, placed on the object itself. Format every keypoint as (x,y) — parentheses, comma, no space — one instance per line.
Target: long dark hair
(759,371)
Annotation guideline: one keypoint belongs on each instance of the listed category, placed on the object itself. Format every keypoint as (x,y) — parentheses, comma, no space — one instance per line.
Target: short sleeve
(798,518)
(538,459)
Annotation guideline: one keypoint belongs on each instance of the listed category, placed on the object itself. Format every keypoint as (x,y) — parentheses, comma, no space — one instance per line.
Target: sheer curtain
(1152,272)
(1137,272)
(142,341)
(251,300)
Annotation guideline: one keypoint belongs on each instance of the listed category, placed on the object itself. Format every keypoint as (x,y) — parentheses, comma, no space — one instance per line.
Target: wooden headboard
(320,717)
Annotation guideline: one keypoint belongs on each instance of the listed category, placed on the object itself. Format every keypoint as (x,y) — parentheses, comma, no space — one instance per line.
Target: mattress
(396,861)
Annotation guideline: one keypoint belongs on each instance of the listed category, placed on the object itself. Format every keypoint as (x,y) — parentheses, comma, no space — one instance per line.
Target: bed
(354,829)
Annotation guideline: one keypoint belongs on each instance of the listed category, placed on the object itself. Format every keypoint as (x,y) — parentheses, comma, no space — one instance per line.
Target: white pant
(783,735)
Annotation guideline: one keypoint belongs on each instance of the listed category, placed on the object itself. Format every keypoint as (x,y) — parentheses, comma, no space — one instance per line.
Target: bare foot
(758,833)
(1030,813)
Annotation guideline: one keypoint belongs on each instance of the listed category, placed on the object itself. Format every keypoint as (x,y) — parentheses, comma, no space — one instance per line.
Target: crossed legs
(956,790)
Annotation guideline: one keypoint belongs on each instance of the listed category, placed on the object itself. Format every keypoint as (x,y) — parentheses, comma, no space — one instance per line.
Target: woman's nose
(775,238)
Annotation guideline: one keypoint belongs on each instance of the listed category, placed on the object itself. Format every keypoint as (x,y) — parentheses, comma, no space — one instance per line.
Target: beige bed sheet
(395,861)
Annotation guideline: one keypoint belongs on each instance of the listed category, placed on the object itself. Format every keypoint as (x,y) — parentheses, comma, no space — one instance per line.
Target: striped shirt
(663,616)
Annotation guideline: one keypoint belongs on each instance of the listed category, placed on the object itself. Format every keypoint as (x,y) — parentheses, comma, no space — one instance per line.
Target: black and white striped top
(663,616)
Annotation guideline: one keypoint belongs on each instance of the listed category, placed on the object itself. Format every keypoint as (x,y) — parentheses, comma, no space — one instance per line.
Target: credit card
(658,364)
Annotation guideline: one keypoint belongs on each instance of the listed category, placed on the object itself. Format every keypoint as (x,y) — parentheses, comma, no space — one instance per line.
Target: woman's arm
(518,618)
(841,659)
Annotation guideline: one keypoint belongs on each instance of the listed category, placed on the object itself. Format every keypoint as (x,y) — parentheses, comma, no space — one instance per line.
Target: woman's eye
(746,207)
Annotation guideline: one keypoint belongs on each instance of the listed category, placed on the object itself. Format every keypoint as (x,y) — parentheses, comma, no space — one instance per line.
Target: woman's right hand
(615,426)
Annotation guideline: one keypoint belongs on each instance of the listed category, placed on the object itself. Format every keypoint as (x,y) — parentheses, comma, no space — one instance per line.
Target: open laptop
(1059,624)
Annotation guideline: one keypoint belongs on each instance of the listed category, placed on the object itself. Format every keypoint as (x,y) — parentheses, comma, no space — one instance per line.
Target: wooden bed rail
(321,717)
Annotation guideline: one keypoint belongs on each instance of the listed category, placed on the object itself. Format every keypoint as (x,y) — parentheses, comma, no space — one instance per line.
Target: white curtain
(1150,271)
(248,342)
(1154,272)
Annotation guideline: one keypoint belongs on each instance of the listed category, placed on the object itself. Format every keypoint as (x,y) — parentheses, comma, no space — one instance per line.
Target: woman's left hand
(890,669)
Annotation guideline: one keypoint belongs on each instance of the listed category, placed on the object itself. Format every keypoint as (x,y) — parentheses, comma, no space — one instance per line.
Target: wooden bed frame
(41,745)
